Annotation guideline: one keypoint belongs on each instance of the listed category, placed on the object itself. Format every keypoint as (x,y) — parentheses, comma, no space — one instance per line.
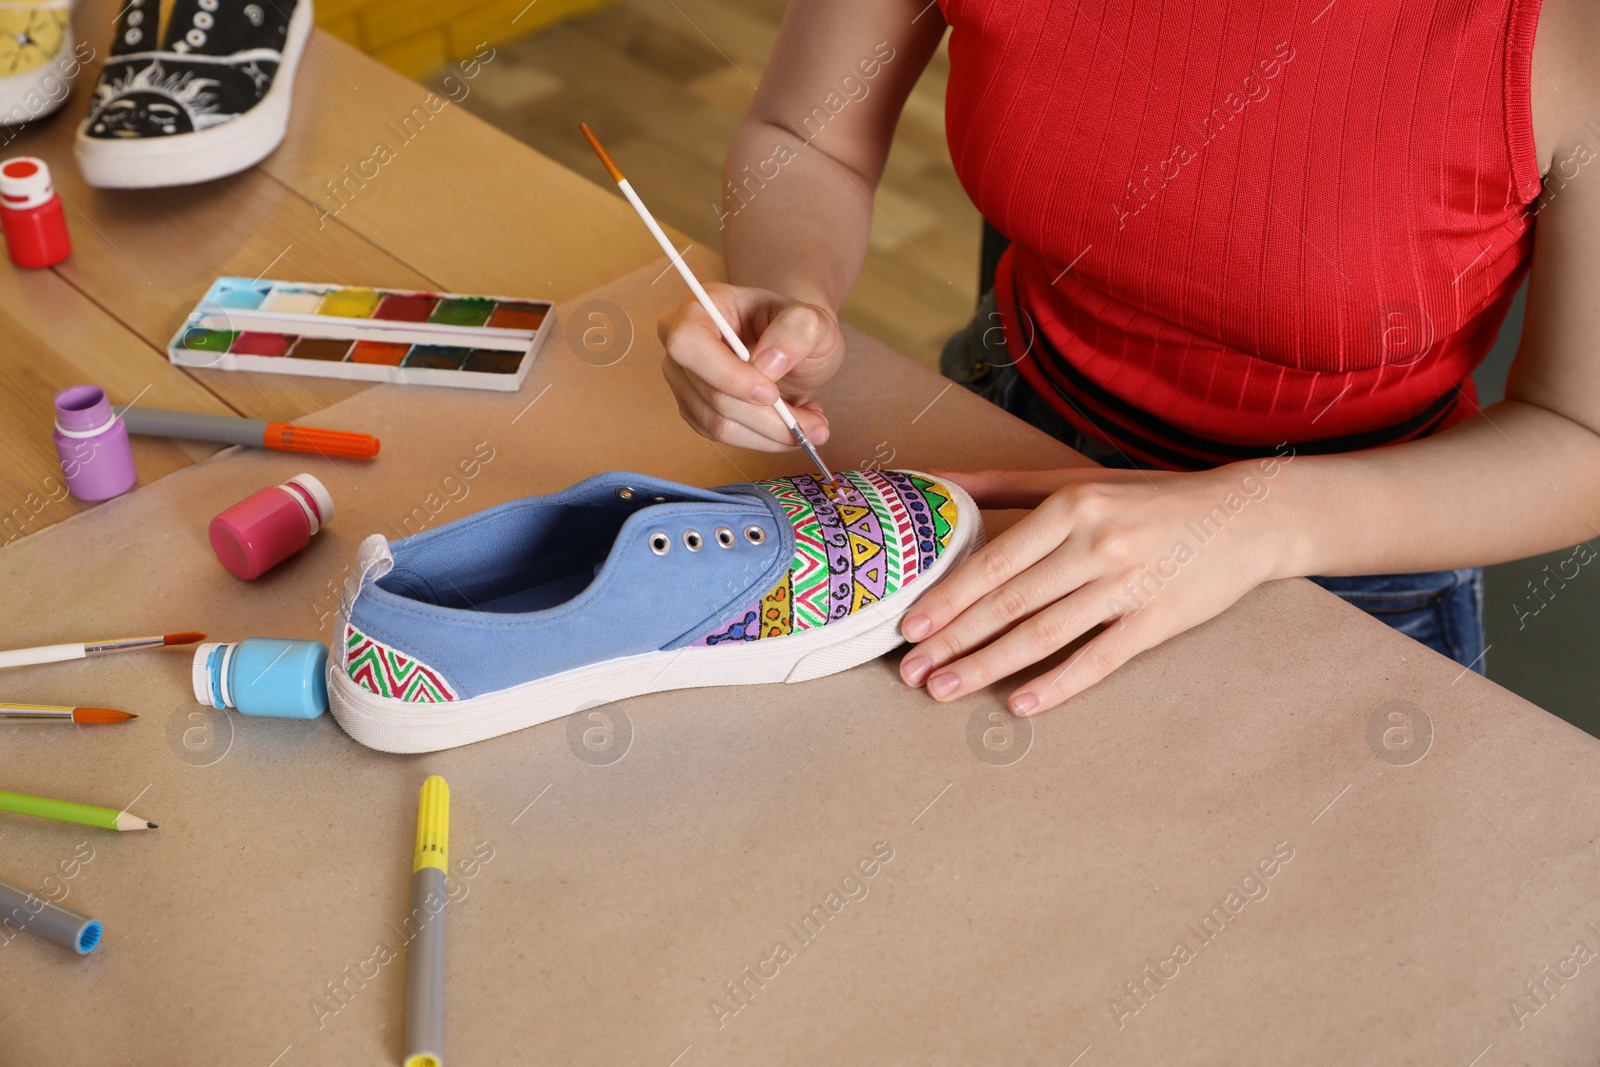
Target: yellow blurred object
(420,37)
(31,34)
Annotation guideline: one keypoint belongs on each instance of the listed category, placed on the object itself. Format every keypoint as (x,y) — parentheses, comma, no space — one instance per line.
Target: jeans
(1441,609)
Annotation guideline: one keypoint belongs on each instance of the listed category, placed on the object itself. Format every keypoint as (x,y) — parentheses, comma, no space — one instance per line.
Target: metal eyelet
(203,20)
(724,537)
(135,18)
(133,36)
(691,540)
(659,543)
(624,493)
(754,534)
(196,38)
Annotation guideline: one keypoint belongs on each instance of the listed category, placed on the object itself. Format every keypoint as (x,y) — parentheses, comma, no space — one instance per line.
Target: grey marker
(425,974)
(193,425)
(21,910)
(425,964)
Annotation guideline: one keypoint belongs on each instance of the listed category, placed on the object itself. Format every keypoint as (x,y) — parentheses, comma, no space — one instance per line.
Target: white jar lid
(210,689)
(25,182)
(322,512)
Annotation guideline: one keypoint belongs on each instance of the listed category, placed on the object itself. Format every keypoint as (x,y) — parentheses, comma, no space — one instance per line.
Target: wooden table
(1366,855)
(142,259)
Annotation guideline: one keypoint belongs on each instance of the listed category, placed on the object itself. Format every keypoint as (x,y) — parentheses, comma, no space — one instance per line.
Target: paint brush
(22,657)
(53,713)
(699,291)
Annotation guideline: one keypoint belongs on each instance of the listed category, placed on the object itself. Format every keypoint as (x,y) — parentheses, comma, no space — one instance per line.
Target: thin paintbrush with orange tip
(22,657)
(723,326)
(53,713)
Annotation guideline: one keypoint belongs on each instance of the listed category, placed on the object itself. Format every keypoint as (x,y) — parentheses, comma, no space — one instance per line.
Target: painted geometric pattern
(807,596)
(377,668)
(869,534)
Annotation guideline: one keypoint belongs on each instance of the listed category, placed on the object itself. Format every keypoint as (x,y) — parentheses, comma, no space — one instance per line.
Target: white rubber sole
(205,155)
(20,91)
(390,725)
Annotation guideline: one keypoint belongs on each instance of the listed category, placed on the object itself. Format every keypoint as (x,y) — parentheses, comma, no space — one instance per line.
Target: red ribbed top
(1239,224)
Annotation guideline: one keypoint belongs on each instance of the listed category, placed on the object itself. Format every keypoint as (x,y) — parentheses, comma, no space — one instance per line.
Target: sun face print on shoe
(203,96)
(625,584)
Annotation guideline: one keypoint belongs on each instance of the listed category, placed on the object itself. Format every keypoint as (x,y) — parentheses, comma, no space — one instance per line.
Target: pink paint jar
(269,526)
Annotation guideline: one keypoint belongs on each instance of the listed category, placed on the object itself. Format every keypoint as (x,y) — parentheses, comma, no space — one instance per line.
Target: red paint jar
(31,215)
(269,526)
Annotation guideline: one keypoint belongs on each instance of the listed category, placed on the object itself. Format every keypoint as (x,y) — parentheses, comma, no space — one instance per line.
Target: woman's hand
(1156,551)
(794,348)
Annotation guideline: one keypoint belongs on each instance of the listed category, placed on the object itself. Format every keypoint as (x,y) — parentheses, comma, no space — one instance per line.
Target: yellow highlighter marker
(425,964)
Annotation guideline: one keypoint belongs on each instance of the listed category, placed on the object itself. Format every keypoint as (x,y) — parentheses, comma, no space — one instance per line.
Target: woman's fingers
(728,399)
(796,347)
(813,420)
(1128,634)
(1030,641)
(1057,575)
(720,417)
(1105,652)
(987,569)
(757,433)
(1102,545)
(695,344)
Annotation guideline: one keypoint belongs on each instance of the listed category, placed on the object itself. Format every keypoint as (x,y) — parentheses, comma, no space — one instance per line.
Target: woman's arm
(1520,478)
(796,213)
(828,103)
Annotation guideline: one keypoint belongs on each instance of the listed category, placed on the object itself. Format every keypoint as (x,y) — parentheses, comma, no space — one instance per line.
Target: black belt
(1154,440)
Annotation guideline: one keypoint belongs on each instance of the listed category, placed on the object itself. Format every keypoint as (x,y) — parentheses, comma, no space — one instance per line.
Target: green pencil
(67,811)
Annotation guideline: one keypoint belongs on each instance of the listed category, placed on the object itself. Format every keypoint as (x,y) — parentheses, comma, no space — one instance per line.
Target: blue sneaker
(625,584)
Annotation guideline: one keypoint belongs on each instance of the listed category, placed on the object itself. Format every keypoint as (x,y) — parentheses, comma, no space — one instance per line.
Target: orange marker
(287,437)
(257,433)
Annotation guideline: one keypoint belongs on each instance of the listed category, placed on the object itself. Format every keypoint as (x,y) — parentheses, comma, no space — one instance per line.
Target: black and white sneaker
(207,97)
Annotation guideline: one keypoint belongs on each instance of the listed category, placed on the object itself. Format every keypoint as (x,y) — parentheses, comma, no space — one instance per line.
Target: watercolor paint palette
(364,333)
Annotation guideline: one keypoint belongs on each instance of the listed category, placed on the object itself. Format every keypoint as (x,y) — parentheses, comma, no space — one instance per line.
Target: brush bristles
(100,716)
(188,637)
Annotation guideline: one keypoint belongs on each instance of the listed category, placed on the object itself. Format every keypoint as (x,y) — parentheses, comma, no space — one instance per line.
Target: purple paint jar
(96,458)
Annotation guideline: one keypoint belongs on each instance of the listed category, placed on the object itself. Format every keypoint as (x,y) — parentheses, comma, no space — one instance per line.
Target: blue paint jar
(263,676)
